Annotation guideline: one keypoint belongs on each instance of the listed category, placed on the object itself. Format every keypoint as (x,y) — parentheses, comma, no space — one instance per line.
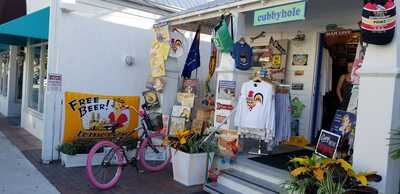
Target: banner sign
(280,14)
(96,116)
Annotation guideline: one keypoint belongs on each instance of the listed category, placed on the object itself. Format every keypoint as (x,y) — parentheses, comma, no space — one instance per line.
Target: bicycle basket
(154,121)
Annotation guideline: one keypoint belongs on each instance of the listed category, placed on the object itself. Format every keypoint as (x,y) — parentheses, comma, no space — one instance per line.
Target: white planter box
(79,160)
(190,169)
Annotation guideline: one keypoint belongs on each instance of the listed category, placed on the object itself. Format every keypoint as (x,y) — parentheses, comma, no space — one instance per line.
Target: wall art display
(185,99)
(197,126)
(156,84)
(343,123)
(151,99)
(94,116)
(181,111)
(178,44)
(189,85)
(299,72)
(327,144)
(226,90)
(177,123)
(228,142)
(300,59)
(297,86)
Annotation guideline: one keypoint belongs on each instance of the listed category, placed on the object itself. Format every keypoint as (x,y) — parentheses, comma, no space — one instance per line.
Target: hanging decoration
(193,58)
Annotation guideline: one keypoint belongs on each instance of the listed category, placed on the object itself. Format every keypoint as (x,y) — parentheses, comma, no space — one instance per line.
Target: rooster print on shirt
(253,99)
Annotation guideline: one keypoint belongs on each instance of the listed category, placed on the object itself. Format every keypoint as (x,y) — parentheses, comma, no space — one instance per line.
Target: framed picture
(151,99)
(300,60)
(185,99)
(177,123)
(327,144)
(226,90)
(181,111)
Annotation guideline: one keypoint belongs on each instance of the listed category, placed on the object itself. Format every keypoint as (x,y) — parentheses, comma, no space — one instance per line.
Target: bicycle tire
(119,165)
(142,150)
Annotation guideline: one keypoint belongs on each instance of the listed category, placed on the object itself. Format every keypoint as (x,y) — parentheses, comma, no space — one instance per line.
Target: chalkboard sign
(327,144)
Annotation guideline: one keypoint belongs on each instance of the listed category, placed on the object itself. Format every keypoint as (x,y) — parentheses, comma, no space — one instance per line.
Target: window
(5,56)
(37,76)
(19,74)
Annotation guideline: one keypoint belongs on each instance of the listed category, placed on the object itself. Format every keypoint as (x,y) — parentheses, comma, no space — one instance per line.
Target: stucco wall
(35,5)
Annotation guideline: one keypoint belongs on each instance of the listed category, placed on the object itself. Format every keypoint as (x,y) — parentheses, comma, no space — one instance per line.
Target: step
(267,173)
(264,184)
(215,188)
(233,180)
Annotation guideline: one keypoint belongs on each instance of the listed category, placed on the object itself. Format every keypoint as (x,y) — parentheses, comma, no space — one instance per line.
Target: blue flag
(193,58)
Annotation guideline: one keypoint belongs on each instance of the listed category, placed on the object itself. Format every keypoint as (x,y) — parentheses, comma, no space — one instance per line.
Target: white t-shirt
(255,115)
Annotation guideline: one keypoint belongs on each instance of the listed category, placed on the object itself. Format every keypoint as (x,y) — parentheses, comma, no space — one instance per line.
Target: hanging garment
(358,60)
(193,58)
(212,65)
(353,103)
(178,44)
(326,72)
(283,117)
(255,115)
(346,95)
(243,55)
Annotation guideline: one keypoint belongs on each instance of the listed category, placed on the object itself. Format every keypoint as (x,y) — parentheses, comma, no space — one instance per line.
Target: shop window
(4,73)
(37,76)
(19,74)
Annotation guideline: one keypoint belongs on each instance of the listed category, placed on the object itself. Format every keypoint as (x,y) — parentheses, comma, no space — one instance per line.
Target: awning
(34,26)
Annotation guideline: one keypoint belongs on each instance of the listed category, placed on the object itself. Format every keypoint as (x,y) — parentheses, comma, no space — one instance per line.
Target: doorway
(336,57)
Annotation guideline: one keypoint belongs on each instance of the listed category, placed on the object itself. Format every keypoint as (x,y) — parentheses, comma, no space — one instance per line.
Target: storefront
(305,72)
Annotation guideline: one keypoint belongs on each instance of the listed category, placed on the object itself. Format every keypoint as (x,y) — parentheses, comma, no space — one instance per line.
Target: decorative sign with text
(327,144)
(98,116)
(280,14)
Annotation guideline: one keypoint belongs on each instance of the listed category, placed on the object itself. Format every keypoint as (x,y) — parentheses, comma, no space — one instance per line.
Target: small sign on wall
(54,82)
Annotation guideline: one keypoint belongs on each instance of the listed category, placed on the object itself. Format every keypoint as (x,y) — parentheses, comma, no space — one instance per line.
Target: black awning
(11,9)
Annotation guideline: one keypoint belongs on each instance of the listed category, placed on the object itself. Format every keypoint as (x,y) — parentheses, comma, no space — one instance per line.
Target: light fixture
(129,60)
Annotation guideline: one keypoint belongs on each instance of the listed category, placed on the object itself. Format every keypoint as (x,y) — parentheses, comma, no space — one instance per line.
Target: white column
(53,100)
(378,114)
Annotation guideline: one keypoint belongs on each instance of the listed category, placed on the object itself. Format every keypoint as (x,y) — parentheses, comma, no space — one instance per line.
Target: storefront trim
(388,75)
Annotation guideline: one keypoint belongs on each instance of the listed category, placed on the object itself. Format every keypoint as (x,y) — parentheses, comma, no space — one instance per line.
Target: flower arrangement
(190,142)
(311,175)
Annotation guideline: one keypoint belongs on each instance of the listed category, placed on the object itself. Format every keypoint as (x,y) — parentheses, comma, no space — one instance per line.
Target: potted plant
(314,175)
(74,154)
(190,157)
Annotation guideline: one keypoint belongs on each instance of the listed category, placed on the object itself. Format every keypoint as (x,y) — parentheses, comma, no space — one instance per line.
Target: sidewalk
(71,180)
(17,174)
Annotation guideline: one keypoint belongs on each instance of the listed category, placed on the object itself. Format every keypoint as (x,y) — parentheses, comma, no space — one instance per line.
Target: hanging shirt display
(243,55)
(255,115)
(178,44)
(283,117)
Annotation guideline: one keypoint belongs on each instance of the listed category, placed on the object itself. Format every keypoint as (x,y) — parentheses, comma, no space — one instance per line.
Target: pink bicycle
(152,154)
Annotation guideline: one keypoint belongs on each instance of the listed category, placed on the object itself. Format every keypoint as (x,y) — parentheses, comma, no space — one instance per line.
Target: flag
(193,58)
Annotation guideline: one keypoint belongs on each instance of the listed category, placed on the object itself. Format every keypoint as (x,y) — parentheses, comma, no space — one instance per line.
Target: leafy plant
(311,175)
(329,185)
(84,146)
(395,144)
(190,142)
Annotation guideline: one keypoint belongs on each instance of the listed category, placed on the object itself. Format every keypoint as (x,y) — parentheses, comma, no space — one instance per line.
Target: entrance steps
(248,177)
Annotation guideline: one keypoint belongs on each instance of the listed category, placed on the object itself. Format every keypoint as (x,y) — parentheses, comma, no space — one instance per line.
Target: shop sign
(91,116)
(280,14)
(327,144)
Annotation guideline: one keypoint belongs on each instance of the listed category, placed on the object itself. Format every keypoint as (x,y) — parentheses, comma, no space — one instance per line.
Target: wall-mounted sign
(327,144)
(91,116)
(280,14)
(297,86)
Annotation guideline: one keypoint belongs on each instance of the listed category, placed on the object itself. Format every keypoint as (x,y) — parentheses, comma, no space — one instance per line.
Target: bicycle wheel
(148,156)
(104,165)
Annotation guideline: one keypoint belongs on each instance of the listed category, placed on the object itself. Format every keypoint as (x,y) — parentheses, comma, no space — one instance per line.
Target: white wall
(35,5)
(90,55)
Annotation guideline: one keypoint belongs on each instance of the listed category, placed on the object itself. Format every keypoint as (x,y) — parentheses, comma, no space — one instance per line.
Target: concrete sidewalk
(18,175)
